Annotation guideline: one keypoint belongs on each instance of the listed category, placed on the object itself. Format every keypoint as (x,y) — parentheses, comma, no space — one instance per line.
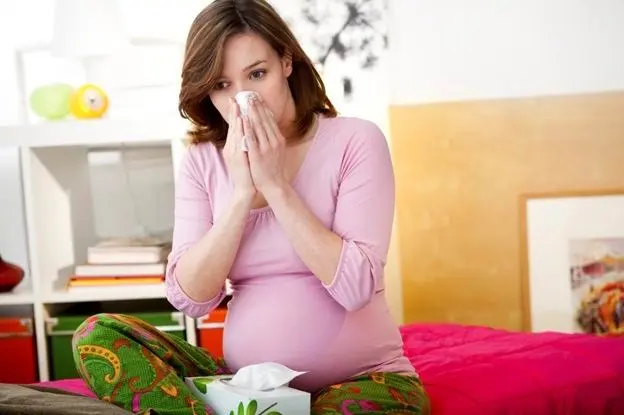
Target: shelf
(118,293)
(93,133)
(21,295)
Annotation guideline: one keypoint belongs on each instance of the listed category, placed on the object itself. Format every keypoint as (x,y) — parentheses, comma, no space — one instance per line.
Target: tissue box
(226,399)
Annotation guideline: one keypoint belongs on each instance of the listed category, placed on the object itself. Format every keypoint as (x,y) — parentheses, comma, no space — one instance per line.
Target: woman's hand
(236,159)
(267,148)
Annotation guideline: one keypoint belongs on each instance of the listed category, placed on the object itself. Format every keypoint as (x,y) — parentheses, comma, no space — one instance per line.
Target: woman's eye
(258,74)
(220,85)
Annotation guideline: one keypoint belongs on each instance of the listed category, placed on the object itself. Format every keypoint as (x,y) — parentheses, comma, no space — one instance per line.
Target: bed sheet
(478,370)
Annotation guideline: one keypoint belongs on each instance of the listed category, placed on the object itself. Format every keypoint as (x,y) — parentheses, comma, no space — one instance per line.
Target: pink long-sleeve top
(279,310)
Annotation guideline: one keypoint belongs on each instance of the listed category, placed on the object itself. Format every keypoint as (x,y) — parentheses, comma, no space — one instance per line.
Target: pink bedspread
(480,371)
(70,385)
(476,370)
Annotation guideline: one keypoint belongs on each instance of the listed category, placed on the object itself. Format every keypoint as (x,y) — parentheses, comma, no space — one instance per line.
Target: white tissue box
(226,399)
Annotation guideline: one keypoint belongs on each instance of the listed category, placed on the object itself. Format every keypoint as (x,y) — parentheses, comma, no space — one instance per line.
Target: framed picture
(573,262)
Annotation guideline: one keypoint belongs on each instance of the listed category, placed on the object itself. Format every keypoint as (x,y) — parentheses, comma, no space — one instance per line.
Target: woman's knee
(95,340)
(89,330)
(374,393)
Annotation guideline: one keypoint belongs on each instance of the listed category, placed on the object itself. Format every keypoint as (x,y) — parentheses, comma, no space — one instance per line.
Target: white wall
(446,50)
(13,242)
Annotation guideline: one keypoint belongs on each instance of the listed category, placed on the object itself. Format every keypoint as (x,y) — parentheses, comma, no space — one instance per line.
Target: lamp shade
(84,28)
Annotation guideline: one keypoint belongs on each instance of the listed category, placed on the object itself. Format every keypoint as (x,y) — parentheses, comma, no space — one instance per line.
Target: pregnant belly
(292,321)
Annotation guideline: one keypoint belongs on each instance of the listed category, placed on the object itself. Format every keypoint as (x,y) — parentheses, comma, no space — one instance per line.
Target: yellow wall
(461,170)
(392,277)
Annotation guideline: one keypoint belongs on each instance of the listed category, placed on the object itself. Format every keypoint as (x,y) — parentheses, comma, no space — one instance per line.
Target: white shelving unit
(59,214)
(98,132)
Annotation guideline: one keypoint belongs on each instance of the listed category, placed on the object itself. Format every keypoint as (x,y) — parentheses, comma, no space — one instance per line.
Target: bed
(477,370)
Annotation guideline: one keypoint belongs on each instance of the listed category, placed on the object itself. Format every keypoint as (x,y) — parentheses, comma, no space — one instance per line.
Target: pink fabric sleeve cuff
(353,285)
(181,301)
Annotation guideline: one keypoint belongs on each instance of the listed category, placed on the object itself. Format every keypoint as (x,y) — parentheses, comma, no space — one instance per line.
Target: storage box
(61,329)
(226,399)
(210,331)
(18,359)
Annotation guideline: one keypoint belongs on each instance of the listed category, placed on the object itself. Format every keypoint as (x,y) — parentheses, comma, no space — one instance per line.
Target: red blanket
(476,370)
(480,371)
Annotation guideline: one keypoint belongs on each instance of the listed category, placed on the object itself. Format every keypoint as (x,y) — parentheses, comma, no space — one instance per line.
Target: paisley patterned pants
(131,364)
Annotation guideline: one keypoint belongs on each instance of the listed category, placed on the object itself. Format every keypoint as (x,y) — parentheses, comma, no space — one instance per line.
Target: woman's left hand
(267,147)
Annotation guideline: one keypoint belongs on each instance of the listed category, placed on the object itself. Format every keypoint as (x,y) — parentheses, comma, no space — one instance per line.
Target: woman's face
(251,64)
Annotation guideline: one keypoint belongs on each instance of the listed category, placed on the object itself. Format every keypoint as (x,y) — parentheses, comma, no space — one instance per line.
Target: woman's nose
(242,97)
(238,89)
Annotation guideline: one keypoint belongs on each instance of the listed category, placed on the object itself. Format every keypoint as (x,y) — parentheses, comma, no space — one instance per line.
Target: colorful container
(61,329)
(210,331)
(18,359)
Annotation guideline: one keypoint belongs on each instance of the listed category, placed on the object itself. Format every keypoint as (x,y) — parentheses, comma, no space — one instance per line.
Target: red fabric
(476,370)
(481,371)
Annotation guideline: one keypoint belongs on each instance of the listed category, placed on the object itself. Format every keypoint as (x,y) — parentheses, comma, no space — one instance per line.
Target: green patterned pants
(128,362)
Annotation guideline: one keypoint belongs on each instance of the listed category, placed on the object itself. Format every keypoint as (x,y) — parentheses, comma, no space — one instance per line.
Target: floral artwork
(597,283)
(358,29)
(348,37)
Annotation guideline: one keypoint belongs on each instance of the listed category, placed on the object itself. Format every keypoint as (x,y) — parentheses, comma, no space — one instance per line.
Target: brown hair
(203,63)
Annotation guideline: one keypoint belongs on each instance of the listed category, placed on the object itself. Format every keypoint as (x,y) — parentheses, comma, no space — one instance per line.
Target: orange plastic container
(18,360)
(210,331)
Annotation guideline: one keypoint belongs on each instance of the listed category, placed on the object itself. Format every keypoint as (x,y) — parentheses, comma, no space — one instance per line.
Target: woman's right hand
(236,159)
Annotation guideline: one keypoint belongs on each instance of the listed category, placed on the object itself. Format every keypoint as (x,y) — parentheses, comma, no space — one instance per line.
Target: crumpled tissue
(264,376)
(243,98)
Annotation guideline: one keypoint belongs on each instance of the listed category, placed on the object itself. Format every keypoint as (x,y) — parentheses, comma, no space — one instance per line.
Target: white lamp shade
(84,28)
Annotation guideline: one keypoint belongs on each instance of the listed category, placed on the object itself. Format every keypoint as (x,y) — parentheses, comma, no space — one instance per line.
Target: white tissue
(243,98)
(244,146)
(264,376)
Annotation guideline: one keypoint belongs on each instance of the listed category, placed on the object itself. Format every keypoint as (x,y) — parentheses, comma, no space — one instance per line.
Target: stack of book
(124,262)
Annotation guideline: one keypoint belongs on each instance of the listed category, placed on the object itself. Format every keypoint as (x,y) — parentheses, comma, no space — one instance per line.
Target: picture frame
(572,261)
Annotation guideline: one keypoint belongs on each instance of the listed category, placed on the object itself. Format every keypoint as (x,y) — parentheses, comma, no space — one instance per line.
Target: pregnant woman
(290,202)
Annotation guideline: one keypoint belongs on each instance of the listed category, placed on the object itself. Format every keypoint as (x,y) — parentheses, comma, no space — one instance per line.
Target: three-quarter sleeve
(363,217)
(192,220)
